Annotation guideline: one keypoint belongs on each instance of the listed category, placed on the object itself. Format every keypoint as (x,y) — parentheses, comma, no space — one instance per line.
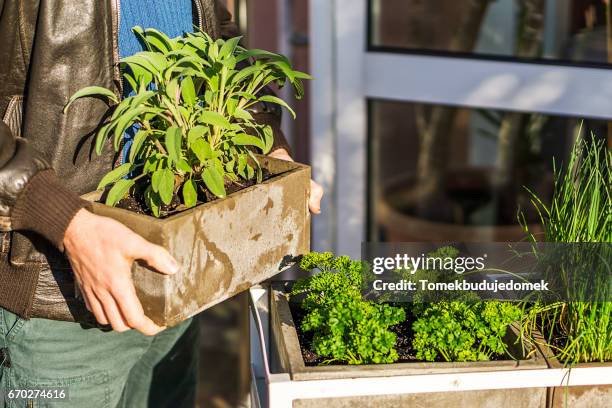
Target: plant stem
(160,147)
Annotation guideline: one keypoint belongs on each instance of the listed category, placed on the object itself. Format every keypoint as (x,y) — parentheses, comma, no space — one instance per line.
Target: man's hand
(101,252)
(316,191)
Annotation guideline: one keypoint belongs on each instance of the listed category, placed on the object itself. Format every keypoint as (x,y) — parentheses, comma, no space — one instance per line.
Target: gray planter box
(223,247)
(290,360)
(583,396)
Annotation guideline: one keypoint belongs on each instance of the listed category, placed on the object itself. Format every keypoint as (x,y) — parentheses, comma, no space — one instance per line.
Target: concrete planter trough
(391,376)
(223,247)
(583,396)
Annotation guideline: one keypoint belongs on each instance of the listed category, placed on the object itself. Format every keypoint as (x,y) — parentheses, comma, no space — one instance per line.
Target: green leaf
(142,76)
(208,98)
(247,72)
(152,201)
(141,98)
(213,51)
(159,40)
(137,143)
(101,137)
(215,119)
(278,101)
(301,75)
(199,43)
(230,106)
(126,120)
(152,163)
(172,90)
(246,95)
(183,166)
(268,139)
(92,91)
(162,182)
(201,148)
(139,32)
(240,113)
(131,80)
(161,176)
(151,61)
(182,52)
(173,143)
(242,162)
(195,133)
(285,67)
(247,140)
(185,113)
(214,181)
(218,164)
(118,191)
(256,53)
(115,175)
(229,47)
(190,195)
(188,91)
(121,108)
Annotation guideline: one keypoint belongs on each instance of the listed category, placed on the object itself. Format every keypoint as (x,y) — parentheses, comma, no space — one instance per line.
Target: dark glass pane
(571,30)
(441,173)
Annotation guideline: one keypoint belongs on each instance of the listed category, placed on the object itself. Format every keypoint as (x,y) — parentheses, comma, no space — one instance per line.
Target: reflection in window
(441,173)
(573,30)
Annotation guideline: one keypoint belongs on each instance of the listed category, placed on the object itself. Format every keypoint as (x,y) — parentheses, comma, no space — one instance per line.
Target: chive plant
(580,212)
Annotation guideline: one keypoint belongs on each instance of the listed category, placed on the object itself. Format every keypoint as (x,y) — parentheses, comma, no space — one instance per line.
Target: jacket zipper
(198,7)
(9,108)
(116,19)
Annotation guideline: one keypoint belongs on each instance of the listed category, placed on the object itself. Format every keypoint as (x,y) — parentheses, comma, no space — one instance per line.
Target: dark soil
(131,204)
(310,357)
(135,201)
(403,344)
(557,341)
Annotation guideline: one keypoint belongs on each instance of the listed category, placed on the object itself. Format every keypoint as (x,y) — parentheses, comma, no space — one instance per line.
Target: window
(567,30)
(440,173)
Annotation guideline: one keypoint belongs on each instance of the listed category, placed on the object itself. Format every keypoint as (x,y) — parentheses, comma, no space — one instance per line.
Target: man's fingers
(132,311)
(112,313)
(316,194)
(87,305)
(155,256)
(95,306)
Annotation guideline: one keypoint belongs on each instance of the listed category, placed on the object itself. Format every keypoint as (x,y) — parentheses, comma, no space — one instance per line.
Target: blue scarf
(172,17)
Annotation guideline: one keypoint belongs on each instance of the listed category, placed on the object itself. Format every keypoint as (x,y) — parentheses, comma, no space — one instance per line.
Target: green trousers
(97,368)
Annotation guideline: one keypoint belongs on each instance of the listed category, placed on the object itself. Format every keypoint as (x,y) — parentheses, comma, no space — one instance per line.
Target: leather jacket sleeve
(263,112)
(31,198)
(18,165)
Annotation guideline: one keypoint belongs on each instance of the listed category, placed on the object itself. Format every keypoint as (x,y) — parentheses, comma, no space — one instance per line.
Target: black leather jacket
(48,50)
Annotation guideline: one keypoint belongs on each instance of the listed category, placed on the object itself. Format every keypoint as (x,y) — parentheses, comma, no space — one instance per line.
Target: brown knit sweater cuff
(46,207)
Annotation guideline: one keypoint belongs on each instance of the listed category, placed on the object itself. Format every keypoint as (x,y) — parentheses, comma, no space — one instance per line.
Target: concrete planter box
(583,396)
(223,247)
(290,360)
